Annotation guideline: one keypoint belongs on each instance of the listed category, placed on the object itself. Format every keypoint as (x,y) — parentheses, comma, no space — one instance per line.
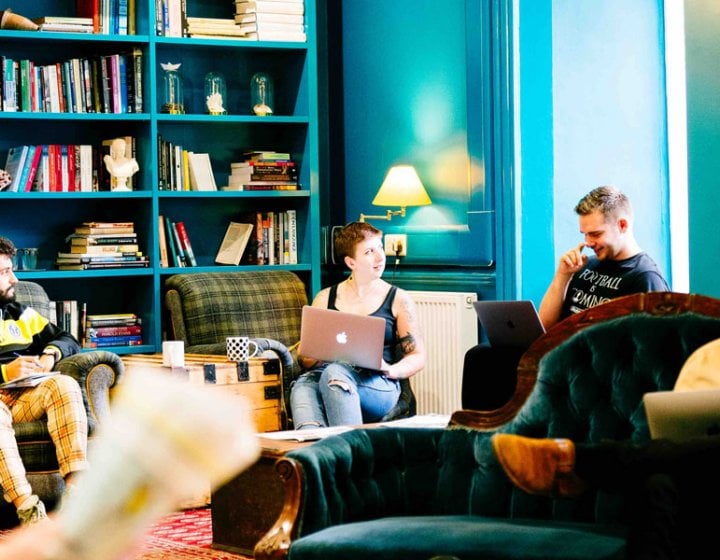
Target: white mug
(238,348)
(173,353)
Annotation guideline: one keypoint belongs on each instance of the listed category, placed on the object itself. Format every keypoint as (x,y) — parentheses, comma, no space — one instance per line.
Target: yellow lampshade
(402,187)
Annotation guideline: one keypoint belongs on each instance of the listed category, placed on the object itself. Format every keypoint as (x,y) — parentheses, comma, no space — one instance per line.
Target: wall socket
(394,242)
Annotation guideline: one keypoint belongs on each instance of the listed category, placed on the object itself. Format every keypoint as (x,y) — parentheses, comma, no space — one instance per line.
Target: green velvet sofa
(96,372)
(414,493)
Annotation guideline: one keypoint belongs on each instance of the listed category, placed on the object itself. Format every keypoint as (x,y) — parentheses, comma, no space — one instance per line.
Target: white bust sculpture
(120,167)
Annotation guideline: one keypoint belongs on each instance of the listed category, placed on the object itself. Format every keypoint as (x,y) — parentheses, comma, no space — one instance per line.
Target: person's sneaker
(31,511)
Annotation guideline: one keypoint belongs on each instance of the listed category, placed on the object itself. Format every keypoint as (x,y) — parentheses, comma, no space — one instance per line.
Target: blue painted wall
(590,112)
(412,93)
(702,53)
(608,124)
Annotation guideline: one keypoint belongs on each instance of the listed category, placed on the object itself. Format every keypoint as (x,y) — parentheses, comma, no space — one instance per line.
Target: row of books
(99,84)
(109,17)
(175,246)
(180,169)
(82,255)
(96,331)
(62,167)
(261,238)
(116,329)
(263,173)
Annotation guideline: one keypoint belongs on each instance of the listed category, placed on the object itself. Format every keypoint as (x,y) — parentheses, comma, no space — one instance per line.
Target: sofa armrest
(97,373)
(177,330)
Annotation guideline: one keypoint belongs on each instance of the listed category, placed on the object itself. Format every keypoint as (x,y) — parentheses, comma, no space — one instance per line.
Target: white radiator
(450,327)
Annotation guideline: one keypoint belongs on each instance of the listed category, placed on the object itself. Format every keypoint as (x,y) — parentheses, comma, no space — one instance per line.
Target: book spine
(181,261)
(173,256)
(162,243)
(33,169)
(97,332)
(292,236)
(9,86)
(259,238)
(186,245)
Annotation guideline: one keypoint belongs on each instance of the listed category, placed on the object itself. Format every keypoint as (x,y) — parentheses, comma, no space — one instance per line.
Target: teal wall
(606,121)
(702,52)
(417,86)
(413,93)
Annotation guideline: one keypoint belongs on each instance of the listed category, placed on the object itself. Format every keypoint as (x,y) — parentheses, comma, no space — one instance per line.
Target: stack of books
(263,171)
(116,329)
(63,24)
(102,245)
(213,28)
(271,20)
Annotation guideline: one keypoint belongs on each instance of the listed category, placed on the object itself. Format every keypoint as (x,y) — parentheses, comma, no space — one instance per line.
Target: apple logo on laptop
(341,337)
(510,325)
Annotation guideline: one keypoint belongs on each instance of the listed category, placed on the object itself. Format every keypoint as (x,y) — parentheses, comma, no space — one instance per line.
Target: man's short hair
(353,233)
(6,247)
(610,201)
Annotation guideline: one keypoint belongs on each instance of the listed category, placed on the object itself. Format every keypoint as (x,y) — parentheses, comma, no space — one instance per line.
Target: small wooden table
(258,381)
(245,508)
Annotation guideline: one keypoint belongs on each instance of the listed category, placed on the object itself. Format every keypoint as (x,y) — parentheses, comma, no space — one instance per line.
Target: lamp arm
(387,216)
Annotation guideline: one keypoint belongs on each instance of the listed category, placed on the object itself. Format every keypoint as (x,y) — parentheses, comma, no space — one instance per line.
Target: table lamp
(401,187)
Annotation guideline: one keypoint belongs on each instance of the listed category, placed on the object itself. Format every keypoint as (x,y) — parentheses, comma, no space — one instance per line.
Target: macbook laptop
(509,323)
(336,336)
(680,415)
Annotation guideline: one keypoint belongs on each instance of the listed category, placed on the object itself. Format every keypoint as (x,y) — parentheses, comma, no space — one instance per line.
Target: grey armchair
(97,373)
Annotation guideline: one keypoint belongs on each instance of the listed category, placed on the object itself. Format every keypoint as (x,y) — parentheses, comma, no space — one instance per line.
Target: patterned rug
(186,535)
(183,536)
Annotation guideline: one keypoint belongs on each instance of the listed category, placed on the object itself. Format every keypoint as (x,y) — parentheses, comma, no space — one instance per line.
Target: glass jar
(262,94)
(172,89)
(215,94)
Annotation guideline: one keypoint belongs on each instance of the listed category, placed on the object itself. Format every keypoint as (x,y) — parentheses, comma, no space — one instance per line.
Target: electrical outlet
(393,242)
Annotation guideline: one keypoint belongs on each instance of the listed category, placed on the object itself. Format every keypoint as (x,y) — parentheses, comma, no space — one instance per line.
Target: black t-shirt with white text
(600,281)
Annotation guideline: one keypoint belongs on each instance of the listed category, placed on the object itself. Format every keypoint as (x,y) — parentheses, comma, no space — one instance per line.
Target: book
(14,164)
(292,236)
(201,173)
(290,36)
(177,242)
(112,319)
(77,20)
(120,249)
(190,259)
(162,243)
(81,240)
(117,341)
(32,169)
(103,265)
(92,230)
(94,332)
(173,256)
(255,27)
(269,6)
(234,243)
(269,17)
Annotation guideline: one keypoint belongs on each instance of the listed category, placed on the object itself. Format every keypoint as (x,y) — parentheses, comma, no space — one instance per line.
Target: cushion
(466,537)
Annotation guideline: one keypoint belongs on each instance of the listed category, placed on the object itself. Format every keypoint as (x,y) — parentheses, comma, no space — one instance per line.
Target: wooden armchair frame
(653,303)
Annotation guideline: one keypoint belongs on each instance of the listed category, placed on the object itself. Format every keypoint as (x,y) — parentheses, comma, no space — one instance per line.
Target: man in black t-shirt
(618,268)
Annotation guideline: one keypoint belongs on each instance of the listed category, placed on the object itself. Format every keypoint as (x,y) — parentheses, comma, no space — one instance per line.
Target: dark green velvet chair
(404,493)
(96,372)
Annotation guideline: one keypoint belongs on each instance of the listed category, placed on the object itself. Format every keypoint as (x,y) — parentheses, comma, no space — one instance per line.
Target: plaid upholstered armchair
(205,308)
(97,373)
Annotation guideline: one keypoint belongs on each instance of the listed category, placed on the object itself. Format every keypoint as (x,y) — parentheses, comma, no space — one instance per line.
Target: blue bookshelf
(45,219)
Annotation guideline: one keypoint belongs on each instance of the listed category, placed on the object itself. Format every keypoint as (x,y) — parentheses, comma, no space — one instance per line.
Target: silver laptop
(509,323)
(336,336)
(680,415)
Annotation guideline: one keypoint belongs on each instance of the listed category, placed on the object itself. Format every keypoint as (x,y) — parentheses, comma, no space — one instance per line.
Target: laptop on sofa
(679,415)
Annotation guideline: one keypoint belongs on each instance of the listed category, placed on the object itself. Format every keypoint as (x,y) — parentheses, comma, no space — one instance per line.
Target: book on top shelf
(234,243)
(270,6)
(269,17)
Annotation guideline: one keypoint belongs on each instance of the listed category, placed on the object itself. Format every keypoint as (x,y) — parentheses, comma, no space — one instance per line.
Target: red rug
(184,535)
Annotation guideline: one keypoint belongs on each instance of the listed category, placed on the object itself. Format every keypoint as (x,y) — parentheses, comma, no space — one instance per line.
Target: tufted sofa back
(588,388)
